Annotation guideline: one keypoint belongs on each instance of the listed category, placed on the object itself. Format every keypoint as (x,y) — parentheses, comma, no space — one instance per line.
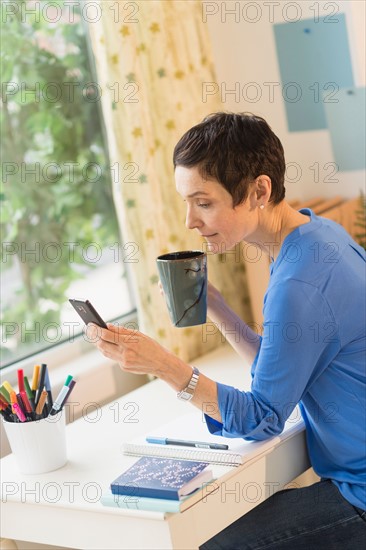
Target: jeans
(314,517)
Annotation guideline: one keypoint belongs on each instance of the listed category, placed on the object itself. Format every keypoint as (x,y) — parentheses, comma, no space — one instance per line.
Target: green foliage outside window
(56,130)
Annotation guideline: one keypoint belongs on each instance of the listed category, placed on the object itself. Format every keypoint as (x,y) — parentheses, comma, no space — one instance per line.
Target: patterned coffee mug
(183,276)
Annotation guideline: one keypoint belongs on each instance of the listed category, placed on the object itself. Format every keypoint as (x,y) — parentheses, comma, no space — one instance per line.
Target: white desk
(62,507)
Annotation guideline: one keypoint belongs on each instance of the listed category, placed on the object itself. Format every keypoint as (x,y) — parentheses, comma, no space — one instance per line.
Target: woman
(230,171)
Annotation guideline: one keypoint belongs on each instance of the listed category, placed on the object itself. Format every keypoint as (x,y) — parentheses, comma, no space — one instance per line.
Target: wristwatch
(187,393)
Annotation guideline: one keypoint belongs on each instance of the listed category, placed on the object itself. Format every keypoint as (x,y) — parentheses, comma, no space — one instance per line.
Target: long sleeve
(300,339)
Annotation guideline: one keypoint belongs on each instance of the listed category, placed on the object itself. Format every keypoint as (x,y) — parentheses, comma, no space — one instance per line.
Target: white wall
(245,52)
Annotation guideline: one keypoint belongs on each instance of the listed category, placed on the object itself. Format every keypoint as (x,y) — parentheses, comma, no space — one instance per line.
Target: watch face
(185,396)
(188,392)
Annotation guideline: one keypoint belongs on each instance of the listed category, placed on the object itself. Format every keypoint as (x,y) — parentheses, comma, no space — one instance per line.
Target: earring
(261,206)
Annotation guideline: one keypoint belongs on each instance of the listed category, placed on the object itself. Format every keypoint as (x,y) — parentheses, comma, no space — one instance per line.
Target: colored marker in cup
(60,399)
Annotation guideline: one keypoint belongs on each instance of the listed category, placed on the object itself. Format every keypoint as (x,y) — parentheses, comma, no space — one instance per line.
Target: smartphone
(87,312)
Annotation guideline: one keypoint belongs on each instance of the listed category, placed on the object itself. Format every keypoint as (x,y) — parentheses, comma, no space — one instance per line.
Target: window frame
(66,351)
(58,355)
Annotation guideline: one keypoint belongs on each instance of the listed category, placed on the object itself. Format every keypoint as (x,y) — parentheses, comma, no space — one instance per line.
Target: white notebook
(192,427)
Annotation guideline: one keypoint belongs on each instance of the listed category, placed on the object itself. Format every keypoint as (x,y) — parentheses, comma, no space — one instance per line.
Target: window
(60,235)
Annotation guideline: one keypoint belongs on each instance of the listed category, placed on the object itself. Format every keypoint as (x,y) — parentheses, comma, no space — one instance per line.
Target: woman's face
(210,210)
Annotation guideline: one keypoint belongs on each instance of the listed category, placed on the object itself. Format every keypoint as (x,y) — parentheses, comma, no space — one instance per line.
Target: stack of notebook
(154,483)
(176,464)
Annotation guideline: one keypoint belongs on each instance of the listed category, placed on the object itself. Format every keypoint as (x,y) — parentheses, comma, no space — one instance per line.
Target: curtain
(154,63)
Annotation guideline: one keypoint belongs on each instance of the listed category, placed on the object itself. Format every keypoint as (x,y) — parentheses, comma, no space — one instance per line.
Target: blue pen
(187,443)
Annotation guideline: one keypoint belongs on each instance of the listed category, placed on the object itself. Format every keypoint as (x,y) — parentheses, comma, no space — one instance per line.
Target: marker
(40,383)
(20,403)
(6,413)
(21,380)
(27,406)
(9,388)
(4,404)
(41,404)
(187,443)
(29,393)
(13,400)
(18,411)
(3,401)
(49,392)
(71,387)
(60,399)
(36,370)
(14,406)
(5,394)
(68,380)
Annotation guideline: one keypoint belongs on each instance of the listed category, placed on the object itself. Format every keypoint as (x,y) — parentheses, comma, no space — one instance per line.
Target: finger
(95,334)
(123,331)
(119,328)
(110,350)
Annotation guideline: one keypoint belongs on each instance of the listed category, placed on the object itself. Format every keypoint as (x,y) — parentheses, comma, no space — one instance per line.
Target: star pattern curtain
(153,62)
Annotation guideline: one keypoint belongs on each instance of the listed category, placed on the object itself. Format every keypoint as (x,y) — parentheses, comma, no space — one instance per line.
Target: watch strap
(187,393)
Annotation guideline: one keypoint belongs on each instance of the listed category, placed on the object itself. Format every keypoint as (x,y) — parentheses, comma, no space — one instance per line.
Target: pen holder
(38,446)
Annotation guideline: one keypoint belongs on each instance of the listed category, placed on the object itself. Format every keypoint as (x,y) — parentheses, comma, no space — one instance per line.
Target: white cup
(38,446)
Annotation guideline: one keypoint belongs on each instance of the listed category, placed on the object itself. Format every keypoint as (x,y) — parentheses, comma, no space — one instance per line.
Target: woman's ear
(263,189)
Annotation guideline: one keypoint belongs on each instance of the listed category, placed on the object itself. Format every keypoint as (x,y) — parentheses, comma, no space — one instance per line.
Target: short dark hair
(234,148)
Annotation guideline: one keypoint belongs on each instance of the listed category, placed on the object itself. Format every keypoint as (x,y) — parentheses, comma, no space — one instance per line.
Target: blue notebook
(143,503)
(164,478)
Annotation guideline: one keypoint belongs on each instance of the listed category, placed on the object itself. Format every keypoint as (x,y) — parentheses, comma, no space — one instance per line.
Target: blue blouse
(312,352)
